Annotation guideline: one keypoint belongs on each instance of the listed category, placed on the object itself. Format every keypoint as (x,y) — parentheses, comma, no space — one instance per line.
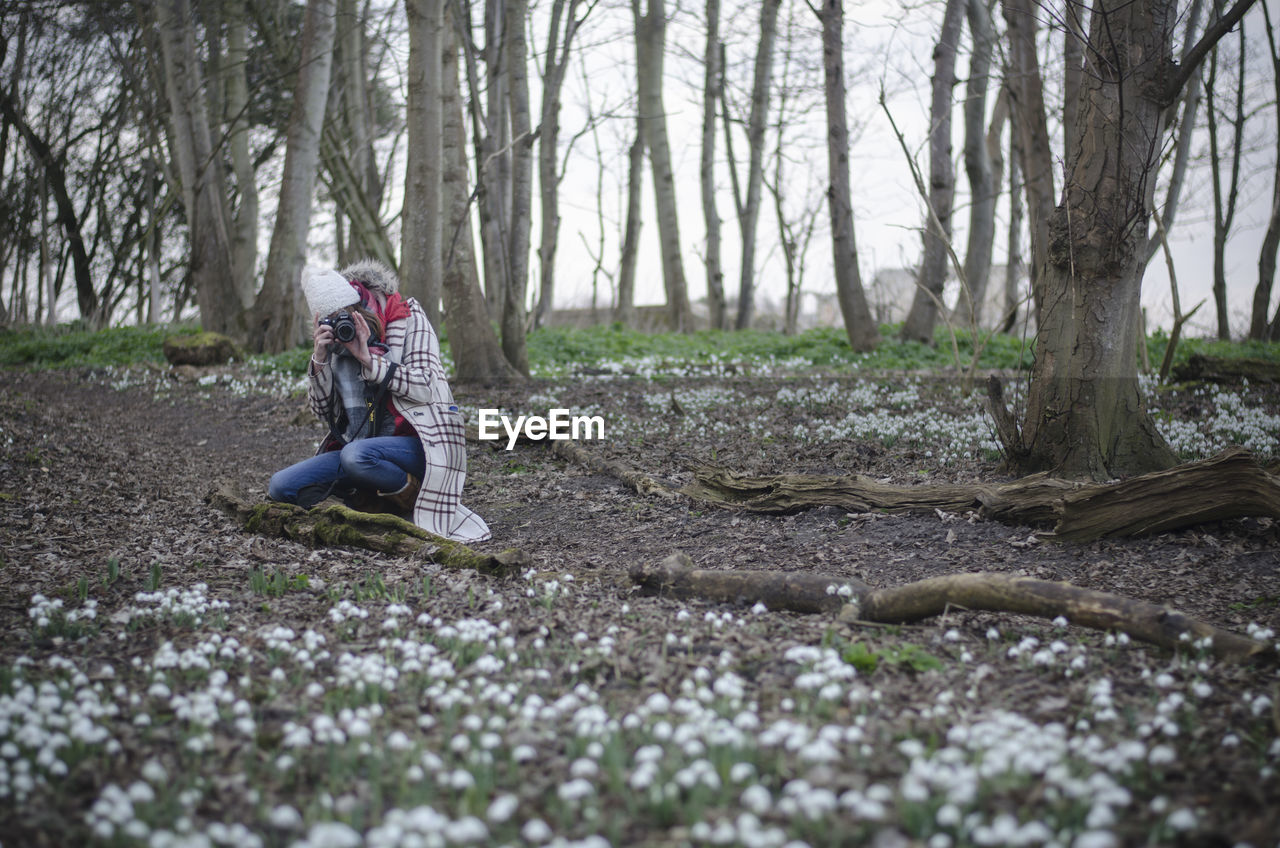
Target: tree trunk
(756,123)
(513,311)
(276,318)
(712,89)
(1258,328)
(942,183)
(1013,265)
(212,267)
(1224,211)
(1026,95)
(421,231)
(244,240)
(651,31)
(477,353)
(859,325)
(1085,416)
(978,167)
(625,309)
(1186,132)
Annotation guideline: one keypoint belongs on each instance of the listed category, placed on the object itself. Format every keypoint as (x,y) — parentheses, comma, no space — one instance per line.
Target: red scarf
(395,309)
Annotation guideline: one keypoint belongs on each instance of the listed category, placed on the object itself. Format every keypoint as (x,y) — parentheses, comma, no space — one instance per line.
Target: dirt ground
(90,474)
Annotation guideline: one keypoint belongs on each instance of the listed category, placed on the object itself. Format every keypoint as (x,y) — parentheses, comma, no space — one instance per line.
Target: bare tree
(477,353)
(756,124)
(275,323)
(212,266)
(244,236)
(978,165)
(520,218)
(1027,111)
(651,27)
(564,25)
(859,326)
(712,91)
(1085,415)
(942,183)
(625,309)
(1224,209)
(1184,113)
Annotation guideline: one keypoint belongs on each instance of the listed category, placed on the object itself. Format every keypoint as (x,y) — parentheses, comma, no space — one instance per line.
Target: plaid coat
(420,392)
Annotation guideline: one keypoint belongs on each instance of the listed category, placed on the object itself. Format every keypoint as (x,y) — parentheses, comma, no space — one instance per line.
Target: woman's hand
(322,336)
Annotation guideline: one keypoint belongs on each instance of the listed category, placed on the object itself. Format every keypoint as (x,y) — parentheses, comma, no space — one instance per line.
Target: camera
(344,329)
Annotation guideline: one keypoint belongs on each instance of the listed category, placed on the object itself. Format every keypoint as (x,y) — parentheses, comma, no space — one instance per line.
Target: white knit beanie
(327,291)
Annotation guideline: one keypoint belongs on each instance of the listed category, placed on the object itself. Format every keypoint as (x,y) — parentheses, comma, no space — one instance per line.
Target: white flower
(285,817)
(333,835)
(536,831)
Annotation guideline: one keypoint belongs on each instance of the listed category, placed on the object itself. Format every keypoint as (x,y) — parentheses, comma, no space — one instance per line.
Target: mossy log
(856,601)
(335,524)
(1230,485)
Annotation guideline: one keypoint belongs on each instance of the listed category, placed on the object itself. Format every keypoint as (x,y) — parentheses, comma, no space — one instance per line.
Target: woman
(395,439)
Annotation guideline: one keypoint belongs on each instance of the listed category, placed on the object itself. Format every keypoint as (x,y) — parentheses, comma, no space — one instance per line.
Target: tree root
(856,601)
(335,524)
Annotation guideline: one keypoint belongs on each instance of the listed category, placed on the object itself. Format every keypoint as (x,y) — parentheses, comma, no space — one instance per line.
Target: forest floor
(168,678)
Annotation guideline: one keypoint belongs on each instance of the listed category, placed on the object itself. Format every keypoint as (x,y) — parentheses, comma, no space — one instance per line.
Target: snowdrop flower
(536,831)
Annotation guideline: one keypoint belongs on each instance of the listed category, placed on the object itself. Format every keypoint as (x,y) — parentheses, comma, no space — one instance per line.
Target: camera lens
(344,329)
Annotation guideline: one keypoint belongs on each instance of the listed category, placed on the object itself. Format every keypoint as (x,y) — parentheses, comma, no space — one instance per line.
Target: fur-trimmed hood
(375,276)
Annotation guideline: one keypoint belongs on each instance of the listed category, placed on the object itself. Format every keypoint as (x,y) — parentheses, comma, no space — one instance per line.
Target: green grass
(72,346)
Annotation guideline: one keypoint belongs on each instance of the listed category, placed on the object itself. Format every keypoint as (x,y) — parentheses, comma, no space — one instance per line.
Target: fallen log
(856,601)
(1229,485)
(1216,369)
(335,524)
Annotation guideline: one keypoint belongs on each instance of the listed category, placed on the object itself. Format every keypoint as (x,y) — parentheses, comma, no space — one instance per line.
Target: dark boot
(404,499)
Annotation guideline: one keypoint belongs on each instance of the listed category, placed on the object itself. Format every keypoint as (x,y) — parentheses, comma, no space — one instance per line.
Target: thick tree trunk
(1085,416)
(978,167)
(513,310)
(926,303)
(712,89)
(276,319)
(760,96)
(477,353)
(212,267)
(421,241)
(859,325)
(651,40)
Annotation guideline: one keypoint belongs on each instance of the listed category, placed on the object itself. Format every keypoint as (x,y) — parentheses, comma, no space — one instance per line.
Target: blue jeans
(379,464)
